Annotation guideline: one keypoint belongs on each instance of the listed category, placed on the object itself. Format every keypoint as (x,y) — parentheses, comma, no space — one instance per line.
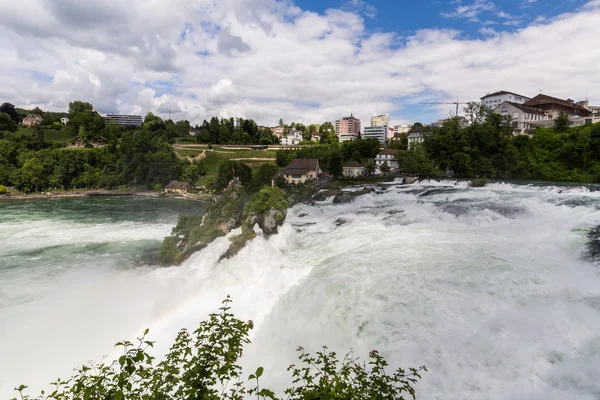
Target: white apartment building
(399,129)
(376,132)
(380,120)
(415,137)
(522,117)
(293,138)
(493,100)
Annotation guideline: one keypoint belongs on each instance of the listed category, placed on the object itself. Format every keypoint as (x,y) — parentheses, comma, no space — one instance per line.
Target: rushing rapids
(491,288)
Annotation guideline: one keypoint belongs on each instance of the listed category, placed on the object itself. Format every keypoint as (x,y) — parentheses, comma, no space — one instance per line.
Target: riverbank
(101,193)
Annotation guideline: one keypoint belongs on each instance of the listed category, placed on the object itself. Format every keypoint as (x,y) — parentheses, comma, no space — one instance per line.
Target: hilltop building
(522,116)
(379,120)
(278,131)
(493,100)
(415,137)
(400,129)
(123,120)
(292,138)
(376,132)
(32,119)
(553,106)
(347,128)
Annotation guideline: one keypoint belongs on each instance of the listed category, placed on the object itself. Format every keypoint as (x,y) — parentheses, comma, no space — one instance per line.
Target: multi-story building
(347,128)
(387,156)
(522,117)
(400,129)
(376,132)
(415,137)
(380,120)
(278,131)
(493,100)
(292,138)
(123,120)
(301,170)
(553,106)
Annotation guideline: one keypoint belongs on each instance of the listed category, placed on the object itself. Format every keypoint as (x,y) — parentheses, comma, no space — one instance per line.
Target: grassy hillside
(49,134)
(212,158)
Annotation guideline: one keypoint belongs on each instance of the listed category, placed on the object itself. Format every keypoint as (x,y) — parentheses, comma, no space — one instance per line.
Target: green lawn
(50,135)
(215,157)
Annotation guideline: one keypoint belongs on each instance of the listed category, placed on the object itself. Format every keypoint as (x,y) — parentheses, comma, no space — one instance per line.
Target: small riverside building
(386,156)
(353,169)
(301,170)
(177,187)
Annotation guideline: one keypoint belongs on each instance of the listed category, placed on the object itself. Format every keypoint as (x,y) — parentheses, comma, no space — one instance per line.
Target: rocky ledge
(266,208)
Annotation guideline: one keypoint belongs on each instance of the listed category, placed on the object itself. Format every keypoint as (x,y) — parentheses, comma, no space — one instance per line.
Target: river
(487,287)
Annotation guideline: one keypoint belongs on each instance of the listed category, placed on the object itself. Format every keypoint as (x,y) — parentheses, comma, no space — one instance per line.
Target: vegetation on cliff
(204,364)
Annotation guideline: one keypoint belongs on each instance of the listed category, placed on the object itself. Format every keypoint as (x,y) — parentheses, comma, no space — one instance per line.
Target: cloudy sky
(301,60)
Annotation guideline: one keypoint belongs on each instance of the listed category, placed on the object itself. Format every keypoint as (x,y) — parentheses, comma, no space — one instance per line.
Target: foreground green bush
(204,365)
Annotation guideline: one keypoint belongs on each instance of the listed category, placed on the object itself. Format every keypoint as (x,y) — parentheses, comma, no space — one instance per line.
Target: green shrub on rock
(481,182)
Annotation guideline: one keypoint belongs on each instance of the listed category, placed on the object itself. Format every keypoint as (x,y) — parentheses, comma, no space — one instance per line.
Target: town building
(553,106)
(315,137)
(353,169)
(415,137)
(301,170)
(278,131)
(391,133)
(177,187)
(64,120)
(573,121)
(376,132)
(400,129)
(522,116)
(462,122)
(123,120)
(380,120)
(292,138)
(347,128)
(493,100)
(386,156)
(32,119)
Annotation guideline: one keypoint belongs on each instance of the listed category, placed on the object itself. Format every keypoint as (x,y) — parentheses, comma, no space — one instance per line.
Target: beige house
(177,187)
(353,169)
(301,170)
(522,117)
(32,119)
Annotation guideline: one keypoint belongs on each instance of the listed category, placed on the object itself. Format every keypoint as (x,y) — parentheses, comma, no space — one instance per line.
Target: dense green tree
(11,111)
(561,123)
(262,176)
(76,107)
(232,169)
(336,168)
(7,124)
(191,174)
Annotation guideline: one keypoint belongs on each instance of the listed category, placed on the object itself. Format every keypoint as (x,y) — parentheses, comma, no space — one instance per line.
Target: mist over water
(488,287)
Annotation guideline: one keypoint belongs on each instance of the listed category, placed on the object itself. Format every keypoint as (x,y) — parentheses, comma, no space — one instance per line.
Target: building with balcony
(380,120)
(347,128)
(553,106)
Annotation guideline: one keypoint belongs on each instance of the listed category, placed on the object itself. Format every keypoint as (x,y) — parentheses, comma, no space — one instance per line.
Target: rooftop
(529,109)
(501,92)
(388,152)
(352,164)
(544,99)
(177,185)
(301,166)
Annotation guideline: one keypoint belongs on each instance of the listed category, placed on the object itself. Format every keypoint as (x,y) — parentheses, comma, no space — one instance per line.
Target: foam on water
(484,286)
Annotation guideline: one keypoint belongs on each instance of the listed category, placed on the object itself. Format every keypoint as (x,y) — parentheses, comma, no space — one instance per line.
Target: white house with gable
(493,100)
